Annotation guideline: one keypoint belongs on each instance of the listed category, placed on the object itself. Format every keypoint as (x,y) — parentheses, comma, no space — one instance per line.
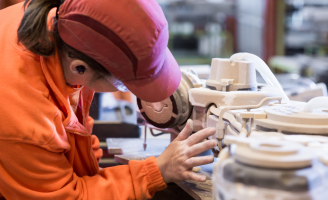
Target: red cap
(127,37)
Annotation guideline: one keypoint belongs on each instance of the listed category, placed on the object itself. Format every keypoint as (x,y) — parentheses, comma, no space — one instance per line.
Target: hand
(96,147)
(178,159)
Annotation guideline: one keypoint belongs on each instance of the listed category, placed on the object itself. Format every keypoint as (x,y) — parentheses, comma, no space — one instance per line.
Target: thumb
(187,130)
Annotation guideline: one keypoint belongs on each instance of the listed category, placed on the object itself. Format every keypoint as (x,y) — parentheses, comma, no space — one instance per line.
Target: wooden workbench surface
(133,150)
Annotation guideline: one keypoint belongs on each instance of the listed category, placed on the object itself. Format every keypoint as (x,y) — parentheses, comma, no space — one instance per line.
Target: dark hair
(33,33)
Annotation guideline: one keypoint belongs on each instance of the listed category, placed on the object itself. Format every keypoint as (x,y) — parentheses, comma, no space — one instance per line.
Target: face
(77,72)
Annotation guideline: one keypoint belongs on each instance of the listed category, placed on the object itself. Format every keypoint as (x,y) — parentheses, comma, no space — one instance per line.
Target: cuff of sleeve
(154,176)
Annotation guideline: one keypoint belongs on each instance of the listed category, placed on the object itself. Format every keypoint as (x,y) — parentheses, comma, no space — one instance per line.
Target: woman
(51,64)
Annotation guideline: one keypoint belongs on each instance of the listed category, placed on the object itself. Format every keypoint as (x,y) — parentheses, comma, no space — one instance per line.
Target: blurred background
(291,36)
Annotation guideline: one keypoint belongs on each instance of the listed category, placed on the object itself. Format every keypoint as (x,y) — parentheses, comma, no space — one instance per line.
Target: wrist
(161,168)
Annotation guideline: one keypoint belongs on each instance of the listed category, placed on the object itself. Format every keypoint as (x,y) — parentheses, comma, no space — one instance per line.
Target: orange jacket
(6,3)
(45,152)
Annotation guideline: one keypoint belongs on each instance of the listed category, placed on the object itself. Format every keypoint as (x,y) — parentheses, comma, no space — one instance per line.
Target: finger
(189,175)
(98,154)
(197,161)
(200,136)
(200,148)
(95,142)
(185,133)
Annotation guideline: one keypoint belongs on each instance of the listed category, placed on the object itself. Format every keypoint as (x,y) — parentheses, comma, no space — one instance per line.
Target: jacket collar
(53,72)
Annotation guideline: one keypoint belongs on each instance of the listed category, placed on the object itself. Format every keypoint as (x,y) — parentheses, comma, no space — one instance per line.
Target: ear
(78,67)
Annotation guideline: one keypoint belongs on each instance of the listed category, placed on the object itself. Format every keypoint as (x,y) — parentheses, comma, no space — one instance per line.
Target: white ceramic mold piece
(262,68)
(317,103)
(296,118)
(204,97)
(272,154)
(227,76)
(261,169)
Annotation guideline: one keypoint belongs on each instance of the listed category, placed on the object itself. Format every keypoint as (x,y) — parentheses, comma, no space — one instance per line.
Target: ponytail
(33,30)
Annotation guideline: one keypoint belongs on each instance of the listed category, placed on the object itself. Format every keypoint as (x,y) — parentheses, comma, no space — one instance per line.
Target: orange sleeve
(29,171)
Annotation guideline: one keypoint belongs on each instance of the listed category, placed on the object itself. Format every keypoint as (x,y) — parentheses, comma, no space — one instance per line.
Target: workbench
(132,149)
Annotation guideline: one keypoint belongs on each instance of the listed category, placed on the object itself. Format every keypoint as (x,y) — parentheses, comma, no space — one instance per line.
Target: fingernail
(213,143)
(211,158)
(191,126)
(213,129)
(204,179)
